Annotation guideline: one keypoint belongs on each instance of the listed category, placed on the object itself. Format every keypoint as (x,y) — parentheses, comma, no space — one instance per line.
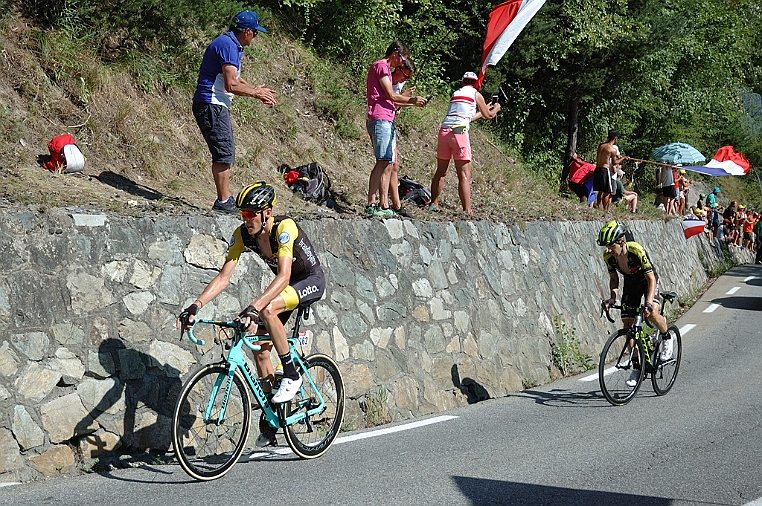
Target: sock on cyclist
(289,370)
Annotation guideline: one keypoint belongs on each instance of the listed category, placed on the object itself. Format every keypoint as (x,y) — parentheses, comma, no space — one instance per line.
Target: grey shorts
(214,122)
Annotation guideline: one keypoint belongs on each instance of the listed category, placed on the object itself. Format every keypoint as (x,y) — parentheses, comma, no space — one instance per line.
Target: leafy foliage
(658,71)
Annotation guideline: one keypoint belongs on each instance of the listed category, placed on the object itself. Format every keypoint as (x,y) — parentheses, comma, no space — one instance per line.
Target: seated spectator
(630,198)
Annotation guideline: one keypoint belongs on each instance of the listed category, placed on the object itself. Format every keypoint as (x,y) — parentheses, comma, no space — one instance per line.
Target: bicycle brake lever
(605,310)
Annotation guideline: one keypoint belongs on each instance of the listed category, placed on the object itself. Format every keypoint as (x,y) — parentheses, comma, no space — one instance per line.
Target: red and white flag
(727,162)
(505,24)
(692,227)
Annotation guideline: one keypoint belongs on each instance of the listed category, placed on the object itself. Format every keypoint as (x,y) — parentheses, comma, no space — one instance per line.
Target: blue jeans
(383,134)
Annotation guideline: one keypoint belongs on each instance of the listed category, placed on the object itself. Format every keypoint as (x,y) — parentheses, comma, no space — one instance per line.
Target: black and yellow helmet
(258,197)
(610,233)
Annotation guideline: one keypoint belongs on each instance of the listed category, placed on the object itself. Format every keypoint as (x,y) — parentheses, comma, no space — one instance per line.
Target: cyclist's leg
(265,366)
(275,327)
(631,297)
(301,292)
(656,317)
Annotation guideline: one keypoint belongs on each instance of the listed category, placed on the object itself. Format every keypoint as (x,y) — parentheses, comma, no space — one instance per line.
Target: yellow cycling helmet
(257,197)
(610,233)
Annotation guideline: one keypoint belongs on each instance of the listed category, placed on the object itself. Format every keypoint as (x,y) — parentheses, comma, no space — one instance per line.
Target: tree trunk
(571,144)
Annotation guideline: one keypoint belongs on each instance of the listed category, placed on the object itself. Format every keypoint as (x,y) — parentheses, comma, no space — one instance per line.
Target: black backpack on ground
(414,191)
(313,183)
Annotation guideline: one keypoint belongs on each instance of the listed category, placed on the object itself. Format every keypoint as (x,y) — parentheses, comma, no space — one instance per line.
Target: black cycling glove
(189,311)
(251,313)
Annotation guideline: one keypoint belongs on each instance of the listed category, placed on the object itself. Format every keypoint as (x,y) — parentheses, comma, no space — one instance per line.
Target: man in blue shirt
(711,199)
(219,79)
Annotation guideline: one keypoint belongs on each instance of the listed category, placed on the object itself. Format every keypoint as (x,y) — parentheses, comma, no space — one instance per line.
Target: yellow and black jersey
(286,239)
(638,263)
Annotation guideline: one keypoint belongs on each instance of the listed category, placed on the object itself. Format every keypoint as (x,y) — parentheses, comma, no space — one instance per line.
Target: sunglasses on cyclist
(248,214)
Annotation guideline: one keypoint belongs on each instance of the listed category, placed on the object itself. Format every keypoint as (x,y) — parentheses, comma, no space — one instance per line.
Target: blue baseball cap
(247,19)
(716,189)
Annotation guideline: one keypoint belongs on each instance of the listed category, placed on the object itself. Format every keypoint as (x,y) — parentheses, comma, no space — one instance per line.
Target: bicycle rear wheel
(616,367)
(313,435)
(665,372)
(206,446)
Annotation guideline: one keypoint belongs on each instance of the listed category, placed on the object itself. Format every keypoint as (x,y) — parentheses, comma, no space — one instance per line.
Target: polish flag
(692,227)
(727,162)
(505,24)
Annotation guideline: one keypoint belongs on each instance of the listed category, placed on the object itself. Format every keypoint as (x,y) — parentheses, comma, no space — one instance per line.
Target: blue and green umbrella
(677,152)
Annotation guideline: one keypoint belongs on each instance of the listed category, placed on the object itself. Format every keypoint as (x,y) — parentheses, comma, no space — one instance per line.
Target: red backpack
(56,146)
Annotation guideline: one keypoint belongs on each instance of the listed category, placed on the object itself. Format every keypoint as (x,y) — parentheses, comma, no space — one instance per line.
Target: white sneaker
(625,361)
(634,375)
(667,349)
(288,389)
(264,440)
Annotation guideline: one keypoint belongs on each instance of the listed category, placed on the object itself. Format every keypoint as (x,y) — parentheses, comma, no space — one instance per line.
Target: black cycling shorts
(632,295)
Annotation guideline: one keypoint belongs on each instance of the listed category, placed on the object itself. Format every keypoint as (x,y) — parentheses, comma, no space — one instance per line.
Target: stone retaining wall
(421,317)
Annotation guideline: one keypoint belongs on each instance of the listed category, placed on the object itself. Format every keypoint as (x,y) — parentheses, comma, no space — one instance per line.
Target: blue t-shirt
(210,87)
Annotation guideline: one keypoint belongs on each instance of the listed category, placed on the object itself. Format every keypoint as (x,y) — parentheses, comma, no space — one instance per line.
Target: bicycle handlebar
(236,325)
(605,310)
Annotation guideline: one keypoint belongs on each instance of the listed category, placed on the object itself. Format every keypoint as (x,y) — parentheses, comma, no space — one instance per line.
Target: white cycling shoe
(667,349)
(288,389)
(634,375)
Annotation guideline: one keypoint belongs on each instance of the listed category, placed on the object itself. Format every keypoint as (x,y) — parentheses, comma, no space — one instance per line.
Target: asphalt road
(559,444)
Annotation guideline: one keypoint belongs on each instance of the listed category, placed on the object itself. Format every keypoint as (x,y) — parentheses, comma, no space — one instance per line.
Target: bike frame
(637,333)
(236,361)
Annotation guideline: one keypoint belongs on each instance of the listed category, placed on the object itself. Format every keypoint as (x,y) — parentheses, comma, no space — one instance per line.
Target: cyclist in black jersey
(299,279)
(640,280)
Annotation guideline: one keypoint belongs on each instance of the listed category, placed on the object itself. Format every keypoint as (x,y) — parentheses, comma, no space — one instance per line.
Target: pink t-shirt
(379,105)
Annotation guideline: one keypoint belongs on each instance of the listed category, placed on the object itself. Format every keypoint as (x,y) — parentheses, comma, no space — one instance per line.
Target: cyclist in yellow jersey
(640,279)
(299,279)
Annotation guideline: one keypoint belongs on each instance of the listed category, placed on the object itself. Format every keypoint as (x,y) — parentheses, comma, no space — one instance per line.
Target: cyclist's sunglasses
(248,214)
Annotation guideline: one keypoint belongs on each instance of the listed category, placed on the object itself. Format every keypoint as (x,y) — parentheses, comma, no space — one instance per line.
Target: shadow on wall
(137,406)
(481,491)
(470,388)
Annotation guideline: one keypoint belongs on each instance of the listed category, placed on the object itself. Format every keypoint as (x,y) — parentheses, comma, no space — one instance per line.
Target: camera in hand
(494,100)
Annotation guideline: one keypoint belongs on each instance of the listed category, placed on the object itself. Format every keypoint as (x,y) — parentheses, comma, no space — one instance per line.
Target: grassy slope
(145,154)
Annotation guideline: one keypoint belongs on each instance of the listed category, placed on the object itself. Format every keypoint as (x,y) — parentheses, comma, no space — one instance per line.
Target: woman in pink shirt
(381,110)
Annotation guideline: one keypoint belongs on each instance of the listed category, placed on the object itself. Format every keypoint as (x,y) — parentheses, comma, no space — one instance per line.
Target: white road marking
(687,328)
(391,430)
(733,290)
(711,308)
(9,484)
(758,502)
(683,330)
(354,437)
(595,376)
(746,280)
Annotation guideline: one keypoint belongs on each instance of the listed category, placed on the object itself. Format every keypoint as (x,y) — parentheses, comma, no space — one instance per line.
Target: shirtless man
(607,157)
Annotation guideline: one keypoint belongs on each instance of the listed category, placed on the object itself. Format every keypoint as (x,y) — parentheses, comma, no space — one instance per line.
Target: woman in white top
(466,105)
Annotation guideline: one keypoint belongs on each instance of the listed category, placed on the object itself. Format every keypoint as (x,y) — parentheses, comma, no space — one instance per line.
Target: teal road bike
(633,349)
(211,422)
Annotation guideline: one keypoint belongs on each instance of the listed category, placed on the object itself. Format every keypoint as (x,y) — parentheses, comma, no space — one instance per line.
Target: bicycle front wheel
(209,431)
(620,373)
(311,436)
(665,371)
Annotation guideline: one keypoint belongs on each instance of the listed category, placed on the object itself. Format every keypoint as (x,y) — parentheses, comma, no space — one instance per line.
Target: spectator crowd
(735,225)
